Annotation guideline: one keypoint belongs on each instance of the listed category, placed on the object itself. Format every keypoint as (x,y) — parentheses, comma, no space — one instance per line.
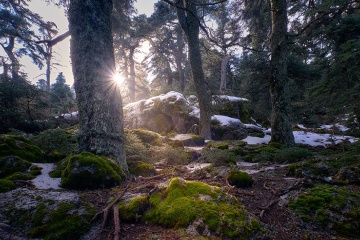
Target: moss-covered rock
(350,175)
(88,171)
(20,176)
(239,179)
(143,169)
(147,137)
(134,209)
(6,185)
(11,145)
(334,208)
(12,164)
(67,221)
(184,202)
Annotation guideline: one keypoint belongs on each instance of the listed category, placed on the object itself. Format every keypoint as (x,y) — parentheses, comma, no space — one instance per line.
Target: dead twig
(105,211)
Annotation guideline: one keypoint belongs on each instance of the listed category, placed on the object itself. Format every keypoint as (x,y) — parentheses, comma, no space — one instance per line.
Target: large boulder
(162,114)
(227,128)
(231,106)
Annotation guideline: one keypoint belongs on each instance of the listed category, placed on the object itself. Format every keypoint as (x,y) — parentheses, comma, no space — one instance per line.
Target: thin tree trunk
(190,25)
(224,63)
(98,96)
(179,58)
(132,75)
(281,130)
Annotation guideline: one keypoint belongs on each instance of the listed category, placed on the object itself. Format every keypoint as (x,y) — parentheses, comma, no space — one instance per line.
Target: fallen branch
(116,223)
(294,186)
(105,211)
(272,203)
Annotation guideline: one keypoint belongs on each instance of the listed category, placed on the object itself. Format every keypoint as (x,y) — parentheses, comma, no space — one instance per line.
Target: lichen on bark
(93,63)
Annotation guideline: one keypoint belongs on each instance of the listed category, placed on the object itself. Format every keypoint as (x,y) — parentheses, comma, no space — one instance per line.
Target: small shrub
(134,210)
(6,185)
(291,155)
(239,179)
(135,149)
(57,143)
(218,157)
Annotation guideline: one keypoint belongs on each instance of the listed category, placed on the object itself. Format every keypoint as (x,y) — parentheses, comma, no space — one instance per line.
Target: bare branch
(56,40)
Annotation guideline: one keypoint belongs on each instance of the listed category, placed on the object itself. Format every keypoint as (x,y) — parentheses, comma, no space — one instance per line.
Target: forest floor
(267,200)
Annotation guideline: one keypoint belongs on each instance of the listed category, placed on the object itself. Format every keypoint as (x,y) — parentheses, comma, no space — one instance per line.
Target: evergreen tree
(62,99)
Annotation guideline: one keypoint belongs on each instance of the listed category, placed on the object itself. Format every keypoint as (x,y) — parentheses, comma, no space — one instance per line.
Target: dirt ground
(267,200)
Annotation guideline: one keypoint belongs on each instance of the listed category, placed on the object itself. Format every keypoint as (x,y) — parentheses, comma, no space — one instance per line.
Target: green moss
(337,208)
(12,164)
(291,155)
(88,171)
(6,185)
(19,146)
(147,137)
(135,209)
(141,169)
(183,202)
(239,179)
(218,157)
(197,140)
(67,221)
(20,176)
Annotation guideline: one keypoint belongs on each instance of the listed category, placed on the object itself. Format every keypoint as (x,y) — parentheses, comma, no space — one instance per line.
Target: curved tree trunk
(281,130)
(190,25)
(98,96)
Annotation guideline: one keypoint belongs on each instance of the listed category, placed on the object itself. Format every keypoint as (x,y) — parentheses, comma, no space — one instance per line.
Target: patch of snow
(195,148)
(341,127)
(44,181)
(194,112)
(196,166)
(309,138)
(70,115)
(232,98)
(246,164)
(225,121)
(182,137)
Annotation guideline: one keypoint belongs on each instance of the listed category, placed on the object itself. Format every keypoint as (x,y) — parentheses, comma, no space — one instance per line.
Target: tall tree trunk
(190,25)
(281,130)
(131,82)
(15,65)
(98,96)
(169,74)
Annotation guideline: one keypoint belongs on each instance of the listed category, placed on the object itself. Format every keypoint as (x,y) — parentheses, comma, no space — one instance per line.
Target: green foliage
(19,146)
(88,171)
(135,149)
(183,202)
(12,164)
(20,176)
(239,179)
(336,208)
(6,185)
(62,98)
(67,221)
(291,155)
(139,168)
(57,143)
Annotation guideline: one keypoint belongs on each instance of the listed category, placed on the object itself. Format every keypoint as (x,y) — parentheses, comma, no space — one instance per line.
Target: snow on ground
(44,181)
(340,127)
(309,138)
(225,121)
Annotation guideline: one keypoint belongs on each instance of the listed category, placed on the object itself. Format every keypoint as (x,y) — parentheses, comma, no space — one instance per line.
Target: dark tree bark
(190,24)
(281,130)
(132,83)
(98,96)
(179,57)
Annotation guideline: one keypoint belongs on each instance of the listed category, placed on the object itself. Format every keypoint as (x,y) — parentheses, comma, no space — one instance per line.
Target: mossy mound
(88,171)
(11,145)
(6,185)
(239,179)
(12,164)
(349,175)
(67,221)
(335,208)
(134,209)
(20,176)
(142,169)
(148,137)
(184,202)
(57,143)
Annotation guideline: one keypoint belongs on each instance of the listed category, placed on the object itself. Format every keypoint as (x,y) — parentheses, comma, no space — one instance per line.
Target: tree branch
(56,40)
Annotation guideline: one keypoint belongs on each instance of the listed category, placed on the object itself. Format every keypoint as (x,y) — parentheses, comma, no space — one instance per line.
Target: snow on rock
(226,121)
(340,127)
(231,98)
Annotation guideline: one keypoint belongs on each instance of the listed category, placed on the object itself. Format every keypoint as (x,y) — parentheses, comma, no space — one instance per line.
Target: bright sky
(62,50)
